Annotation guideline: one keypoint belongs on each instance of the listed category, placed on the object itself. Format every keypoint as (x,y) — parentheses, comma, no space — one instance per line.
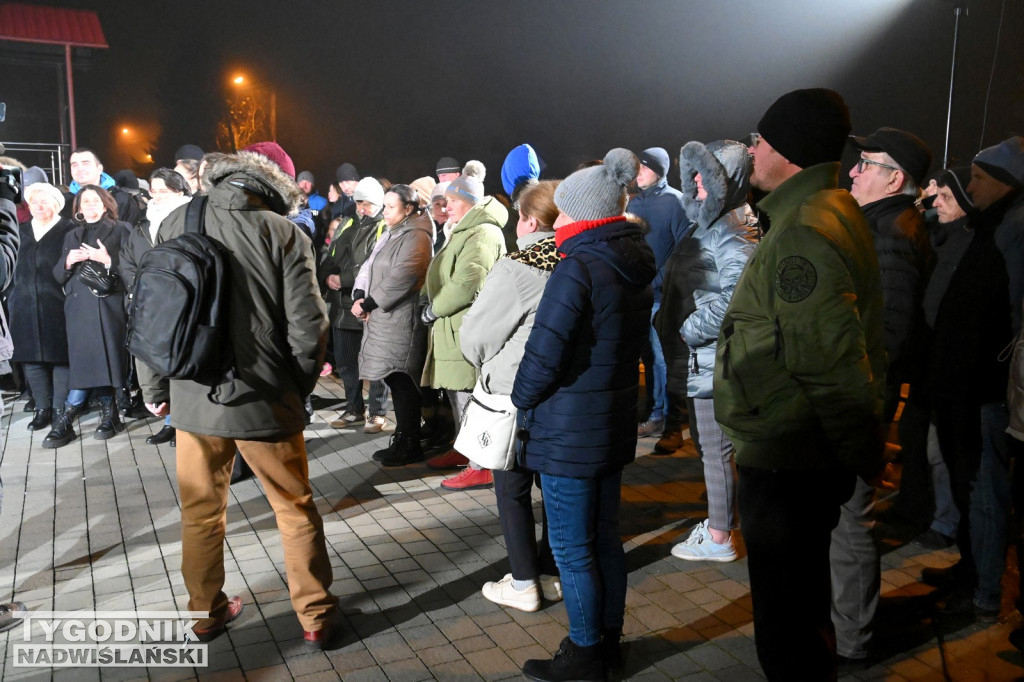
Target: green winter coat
(455,277)
(800,370)
(277,320)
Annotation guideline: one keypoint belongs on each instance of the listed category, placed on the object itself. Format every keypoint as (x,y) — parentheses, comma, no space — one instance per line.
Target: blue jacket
(578,381)
(661,207)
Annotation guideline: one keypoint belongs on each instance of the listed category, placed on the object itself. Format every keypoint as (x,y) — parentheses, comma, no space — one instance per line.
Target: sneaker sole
(399,462)
(528,608)
(719,559)
(481,486)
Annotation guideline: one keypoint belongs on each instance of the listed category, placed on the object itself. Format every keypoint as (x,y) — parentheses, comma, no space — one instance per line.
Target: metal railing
(48,156)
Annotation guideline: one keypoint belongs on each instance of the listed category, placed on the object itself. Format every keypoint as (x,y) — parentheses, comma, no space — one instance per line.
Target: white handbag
(487,434)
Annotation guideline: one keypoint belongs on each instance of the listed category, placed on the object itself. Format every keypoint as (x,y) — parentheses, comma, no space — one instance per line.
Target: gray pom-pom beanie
(598,192)
(470,185)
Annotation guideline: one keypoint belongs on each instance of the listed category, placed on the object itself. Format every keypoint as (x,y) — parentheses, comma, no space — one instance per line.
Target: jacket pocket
(752,379)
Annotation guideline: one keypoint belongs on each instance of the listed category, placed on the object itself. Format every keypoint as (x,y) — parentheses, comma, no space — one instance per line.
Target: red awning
(53,25)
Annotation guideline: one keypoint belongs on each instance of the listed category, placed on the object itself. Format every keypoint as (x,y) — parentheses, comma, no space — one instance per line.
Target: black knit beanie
(956,180)
(807,127)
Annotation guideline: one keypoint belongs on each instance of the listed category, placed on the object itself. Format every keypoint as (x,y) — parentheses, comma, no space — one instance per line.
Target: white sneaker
(374,424)
(503,593)
(551,587)
(700,547)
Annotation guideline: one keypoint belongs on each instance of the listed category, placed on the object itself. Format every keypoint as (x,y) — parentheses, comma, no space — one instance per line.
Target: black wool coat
(96,326)
(36,300)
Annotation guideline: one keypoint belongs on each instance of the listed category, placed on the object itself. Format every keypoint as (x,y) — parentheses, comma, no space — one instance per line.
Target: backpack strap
(195,215)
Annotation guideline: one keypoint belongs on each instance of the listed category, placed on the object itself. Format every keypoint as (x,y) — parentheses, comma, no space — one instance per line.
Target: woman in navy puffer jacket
(577,389)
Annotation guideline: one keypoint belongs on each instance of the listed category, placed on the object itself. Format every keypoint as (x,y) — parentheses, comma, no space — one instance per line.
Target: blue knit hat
(1004,162)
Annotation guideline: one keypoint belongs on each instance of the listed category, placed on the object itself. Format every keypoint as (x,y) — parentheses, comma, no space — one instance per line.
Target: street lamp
(241,82)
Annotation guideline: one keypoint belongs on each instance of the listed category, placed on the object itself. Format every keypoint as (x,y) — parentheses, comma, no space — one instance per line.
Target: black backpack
(178,321)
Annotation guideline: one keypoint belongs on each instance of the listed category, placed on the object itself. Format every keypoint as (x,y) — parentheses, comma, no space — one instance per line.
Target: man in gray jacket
(278,331)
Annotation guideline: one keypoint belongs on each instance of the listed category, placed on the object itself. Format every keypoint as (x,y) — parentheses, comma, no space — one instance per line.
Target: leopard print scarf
(542,255)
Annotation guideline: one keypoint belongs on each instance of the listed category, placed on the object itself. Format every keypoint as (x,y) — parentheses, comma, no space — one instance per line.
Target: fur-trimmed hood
(725,167)
(266,179)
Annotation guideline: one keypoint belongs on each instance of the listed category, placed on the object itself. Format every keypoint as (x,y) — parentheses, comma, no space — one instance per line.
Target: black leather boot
(110,419)
(405,450)
(164,435)
(41,419)
(611,650)
(571,662)
(63,431)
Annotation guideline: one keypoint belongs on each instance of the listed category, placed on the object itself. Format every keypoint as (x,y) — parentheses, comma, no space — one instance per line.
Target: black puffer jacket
(905,262)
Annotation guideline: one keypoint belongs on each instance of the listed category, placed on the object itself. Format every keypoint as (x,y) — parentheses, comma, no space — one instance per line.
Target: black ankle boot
(611,650)
(110,420)
(41,419)
(164,435)
(405,450)
(379,455)
(571,662)
(63,431)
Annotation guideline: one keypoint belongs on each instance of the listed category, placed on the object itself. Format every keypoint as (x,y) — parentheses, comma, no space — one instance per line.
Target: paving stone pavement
(94,526)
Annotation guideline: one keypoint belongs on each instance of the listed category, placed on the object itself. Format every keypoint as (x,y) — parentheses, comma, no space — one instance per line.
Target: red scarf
(572,229)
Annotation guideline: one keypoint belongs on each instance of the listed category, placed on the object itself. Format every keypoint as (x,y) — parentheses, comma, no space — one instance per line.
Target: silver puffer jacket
(712,258)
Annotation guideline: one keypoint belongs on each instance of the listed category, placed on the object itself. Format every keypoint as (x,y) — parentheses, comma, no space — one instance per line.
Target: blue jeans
(990,506)
(655,373)
(583,527)
(77,396)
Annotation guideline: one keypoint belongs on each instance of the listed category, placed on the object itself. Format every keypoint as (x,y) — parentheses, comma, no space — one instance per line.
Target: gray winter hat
(599,191)
(1004,161)
(306,175)
(657,160)
(470,185)
(33,174)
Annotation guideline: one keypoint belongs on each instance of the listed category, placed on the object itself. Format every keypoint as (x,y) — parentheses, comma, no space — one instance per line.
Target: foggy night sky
(393,86)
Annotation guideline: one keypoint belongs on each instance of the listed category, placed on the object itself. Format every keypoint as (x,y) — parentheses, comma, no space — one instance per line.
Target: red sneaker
(453,459)
(470,479)
(209,634)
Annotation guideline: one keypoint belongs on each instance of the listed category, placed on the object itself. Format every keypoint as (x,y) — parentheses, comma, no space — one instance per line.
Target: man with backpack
(275,334)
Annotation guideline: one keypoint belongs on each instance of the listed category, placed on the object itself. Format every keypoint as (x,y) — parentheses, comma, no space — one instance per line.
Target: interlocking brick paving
(94,525)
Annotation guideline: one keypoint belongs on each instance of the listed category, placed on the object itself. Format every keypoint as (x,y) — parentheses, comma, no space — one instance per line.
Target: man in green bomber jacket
(800,377)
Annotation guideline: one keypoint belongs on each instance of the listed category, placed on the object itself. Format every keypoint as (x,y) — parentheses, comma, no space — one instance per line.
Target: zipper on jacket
(696,367)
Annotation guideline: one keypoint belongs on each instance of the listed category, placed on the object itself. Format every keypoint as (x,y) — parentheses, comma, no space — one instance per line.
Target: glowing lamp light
(238,80)
(124,131)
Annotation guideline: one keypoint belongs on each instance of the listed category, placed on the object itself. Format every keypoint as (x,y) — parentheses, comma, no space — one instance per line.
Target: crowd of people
(790,335)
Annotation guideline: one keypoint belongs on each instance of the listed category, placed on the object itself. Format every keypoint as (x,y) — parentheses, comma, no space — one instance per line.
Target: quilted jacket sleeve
(405,274)
(474,261)
(553,338)
(494,317)
(731,249)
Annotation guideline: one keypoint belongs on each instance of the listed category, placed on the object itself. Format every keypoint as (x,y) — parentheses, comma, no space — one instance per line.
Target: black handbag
(95,276)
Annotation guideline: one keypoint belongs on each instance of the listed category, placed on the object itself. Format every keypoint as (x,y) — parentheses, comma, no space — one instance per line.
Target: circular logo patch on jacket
(795,279)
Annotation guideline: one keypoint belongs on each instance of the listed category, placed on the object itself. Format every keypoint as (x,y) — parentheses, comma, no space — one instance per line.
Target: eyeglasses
(862,162)
(755,139)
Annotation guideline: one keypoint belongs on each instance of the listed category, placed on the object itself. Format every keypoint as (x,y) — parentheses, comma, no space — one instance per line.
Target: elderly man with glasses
(893,164)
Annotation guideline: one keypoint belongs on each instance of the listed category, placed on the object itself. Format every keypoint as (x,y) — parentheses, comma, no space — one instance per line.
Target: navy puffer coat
(578,382)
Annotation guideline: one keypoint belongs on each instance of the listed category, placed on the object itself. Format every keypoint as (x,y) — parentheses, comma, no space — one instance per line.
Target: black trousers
(788,517)
(405,396)
(526,557)
(49,384)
